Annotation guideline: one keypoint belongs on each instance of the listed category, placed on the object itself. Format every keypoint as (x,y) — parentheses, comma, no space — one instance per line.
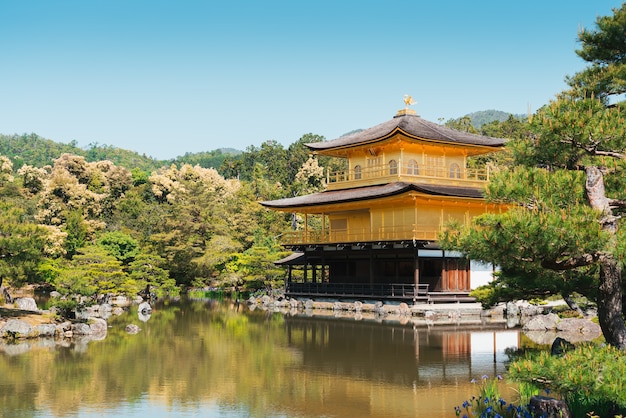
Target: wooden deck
(397,292)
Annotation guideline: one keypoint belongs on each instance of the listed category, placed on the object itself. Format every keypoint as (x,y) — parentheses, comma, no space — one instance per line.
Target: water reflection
(400,354)
(200,358)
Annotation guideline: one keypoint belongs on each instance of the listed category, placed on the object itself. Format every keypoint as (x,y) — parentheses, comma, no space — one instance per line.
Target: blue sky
(168,77)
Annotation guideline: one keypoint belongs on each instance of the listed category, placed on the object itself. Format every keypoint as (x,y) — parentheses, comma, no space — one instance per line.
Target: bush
(590,378)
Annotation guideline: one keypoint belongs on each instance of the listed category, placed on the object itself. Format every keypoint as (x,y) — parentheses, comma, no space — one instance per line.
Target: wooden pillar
(444,273)
(304,278)
(416,267)
(371,257)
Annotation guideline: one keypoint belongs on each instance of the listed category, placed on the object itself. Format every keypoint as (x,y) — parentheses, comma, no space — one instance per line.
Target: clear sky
(166,77)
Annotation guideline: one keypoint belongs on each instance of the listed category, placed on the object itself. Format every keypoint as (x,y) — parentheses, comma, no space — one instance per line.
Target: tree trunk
(610,308)
(610,314)
(571,303)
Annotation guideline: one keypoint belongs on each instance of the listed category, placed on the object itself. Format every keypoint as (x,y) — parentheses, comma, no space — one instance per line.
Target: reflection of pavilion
(400,354)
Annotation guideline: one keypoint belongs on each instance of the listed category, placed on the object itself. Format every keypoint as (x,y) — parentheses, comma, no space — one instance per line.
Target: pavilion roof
(372,192)
(413,126)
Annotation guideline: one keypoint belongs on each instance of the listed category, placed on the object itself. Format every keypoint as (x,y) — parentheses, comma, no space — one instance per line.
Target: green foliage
(93,272)
(589,377)
(604,49)
(211,159)
(254,268)
(483,117)
(463,124)
(22,246)
(76,230)
(120,245)
(489,403)
(148,269)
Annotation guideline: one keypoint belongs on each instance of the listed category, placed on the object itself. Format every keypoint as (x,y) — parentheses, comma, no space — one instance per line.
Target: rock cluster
(18,335)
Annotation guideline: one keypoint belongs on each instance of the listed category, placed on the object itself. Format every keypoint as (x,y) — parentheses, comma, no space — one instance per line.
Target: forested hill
(34,150)
(484,117)
(31,149)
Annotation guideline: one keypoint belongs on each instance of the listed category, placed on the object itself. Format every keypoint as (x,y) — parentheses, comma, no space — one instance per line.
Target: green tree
(22,247)
(93,272)
(567,198)
(76,230)
(254,269)
(147,270)
(605,50)
(463,124)
(120,245)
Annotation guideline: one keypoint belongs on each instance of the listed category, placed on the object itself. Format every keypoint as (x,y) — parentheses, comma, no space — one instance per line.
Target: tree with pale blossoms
(6,170)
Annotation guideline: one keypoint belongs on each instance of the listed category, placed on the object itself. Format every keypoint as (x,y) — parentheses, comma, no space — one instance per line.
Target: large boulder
(549,407)
(81,328)
(542,322)
(46,330)
(16,328)
(561,346)
(26,304)
(98,327)
(512,309)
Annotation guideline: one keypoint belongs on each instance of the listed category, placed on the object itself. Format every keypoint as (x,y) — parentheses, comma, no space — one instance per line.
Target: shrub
(590,378)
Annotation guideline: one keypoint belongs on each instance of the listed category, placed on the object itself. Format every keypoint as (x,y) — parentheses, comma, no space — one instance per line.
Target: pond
(202,358)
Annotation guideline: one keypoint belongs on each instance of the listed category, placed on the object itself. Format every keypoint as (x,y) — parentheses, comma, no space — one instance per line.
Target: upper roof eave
(371,192)
(412,126)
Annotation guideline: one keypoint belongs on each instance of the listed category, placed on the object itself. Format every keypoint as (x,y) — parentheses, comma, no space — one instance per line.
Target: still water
(208,359)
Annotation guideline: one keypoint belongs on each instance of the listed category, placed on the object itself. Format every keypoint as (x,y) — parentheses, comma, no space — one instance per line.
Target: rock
(83,314)
(80,328)
(294,304)
(120,301)
(541,337)
(560,346)
(531,310)
(430,315)
(404,310)
(99,328)
(132,329)
(358,306)
(543,406)
(542,322)
(266,300)
(580,325)
(456,315)
(55,294)
(144,308)
(64,326)
(117,311)
(26,304)
(16,328)
(512,309)
(46,330)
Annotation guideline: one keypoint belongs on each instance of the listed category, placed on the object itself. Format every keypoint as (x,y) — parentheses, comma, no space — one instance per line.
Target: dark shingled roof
(412,125)
(371,192)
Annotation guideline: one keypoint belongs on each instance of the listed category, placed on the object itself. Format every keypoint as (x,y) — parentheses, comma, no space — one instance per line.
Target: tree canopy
(565,192)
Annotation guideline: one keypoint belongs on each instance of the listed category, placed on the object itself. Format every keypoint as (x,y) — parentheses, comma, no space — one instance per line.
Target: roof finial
(408,101)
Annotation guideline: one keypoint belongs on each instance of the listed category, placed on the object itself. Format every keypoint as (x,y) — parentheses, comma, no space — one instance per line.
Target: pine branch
(570,263)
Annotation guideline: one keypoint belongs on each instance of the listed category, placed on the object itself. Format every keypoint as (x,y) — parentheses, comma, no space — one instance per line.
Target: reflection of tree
(199,352)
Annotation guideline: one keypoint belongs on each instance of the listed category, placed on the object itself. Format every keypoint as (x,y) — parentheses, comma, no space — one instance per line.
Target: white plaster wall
(480,274)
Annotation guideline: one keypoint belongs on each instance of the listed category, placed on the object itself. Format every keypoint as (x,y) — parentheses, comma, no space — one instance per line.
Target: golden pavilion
(377,222)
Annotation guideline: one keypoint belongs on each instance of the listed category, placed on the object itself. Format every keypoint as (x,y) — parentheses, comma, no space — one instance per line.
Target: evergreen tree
(567,195)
